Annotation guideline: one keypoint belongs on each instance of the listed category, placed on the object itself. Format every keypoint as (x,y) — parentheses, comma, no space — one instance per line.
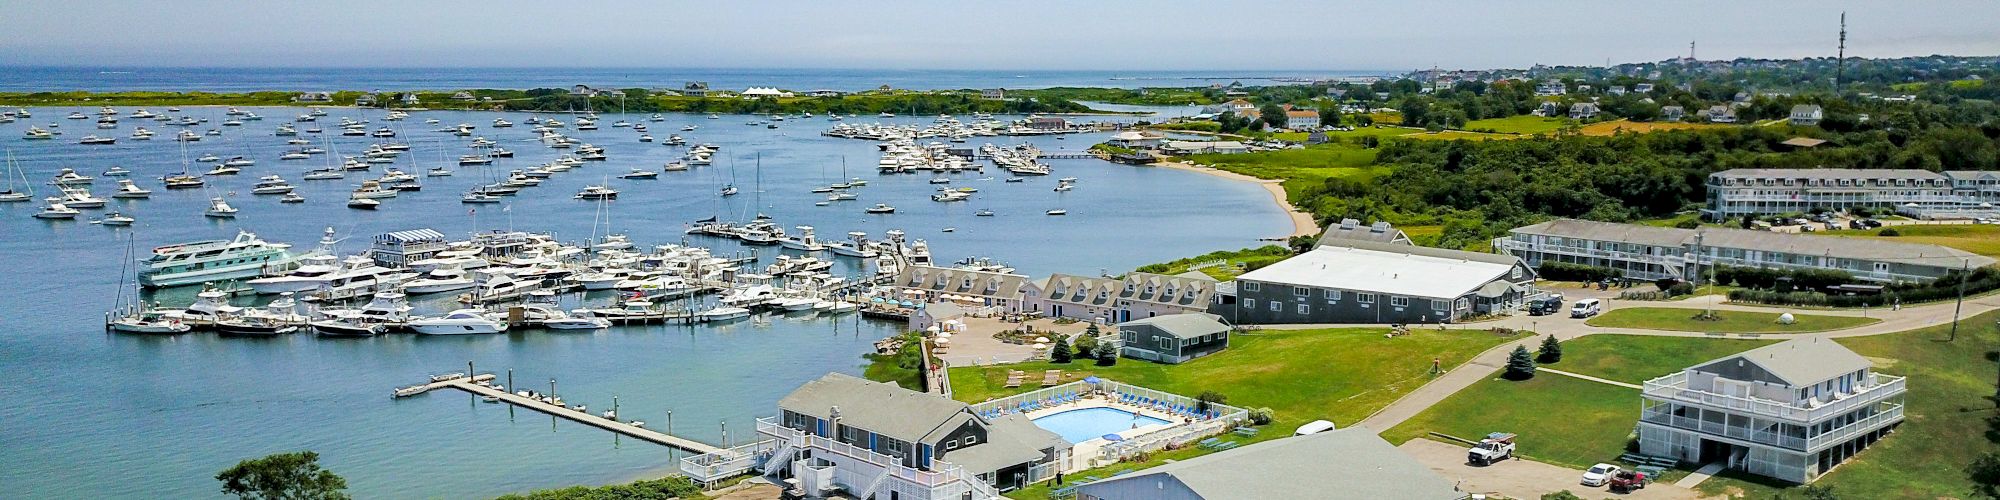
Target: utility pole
(1964,274)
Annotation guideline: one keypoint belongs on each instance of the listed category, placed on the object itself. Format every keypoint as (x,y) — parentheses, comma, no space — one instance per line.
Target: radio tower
(1840,64)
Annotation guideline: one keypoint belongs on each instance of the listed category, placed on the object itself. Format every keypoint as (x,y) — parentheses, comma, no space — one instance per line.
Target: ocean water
(97,415)
(44,78)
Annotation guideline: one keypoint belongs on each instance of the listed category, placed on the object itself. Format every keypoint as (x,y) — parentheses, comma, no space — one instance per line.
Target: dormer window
(1130,287)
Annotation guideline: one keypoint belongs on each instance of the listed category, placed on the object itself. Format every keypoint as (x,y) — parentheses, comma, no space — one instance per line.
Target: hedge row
(1564,271)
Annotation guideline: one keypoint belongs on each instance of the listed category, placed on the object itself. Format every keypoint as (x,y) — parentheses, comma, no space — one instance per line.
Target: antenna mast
(1840,64)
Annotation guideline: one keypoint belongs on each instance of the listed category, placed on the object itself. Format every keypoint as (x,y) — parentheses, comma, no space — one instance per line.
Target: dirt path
(1523,478)
(1302,222)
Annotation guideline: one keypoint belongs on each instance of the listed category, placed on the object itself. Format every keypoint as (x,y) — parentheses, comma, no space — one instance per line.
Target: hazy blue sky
(1120,35)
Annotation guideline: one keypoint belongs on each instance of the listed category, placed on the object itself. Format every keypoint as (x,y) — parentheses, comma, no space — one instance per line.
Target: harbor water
(99,415)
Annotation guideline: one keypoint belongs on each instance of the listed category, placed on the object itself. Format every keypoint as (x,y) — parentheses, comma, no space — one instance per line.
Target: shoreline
(1302,222)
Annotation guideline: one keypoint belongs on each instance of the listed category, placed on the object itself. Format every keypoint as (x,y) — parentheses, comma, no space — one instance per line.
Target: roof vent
(1349,223)
(1379,227)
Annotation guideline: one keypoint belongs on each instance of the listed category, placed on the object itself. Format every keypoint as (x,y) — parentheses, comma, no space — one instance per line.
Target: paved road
(1487,363)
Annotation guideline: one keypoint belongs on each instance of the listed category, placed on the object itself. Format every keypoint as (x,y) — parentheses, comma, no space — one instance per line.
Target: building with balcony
(875,439)
(1791,411)
(1762,191)
(1651,253)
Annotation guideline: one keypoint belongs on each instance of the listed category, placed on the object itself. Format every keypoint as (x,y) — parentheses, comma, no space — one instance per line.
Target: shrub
(1688,224)
(1208,398)
(1262,416)
(1888,231)
(1107,355)
(1085,345)
(1979,281)
(1561,495)
(1564,271)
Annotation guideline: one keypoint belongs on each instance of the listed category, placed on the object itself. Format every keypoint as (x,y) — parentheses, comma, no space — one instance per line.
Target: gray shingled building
(1345,463)
(1649,252)
(1173,339)
(923,431)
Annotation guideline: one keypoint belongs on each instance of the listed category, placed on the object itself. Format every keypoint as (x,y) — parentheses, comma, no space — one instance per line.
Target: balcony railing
(1799,443)
(1674,388)
(945,480)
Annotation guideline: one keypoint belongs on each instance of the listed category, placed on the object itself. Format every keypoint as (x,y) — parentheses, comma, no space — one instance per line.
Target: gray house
(1173,339)
(1350,229)
(1353,281)
(1345,463)
(926,432)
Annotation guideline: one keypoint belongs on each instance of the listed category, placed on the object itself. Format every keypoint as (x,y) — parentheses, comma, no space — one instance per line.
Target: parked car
(1586,308)
(1626,481)
(1544,307)
(1599,475)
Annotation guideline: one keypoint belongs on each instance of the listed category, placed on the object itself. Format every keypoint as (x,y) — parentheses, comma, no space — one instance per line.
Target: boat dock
(471,385)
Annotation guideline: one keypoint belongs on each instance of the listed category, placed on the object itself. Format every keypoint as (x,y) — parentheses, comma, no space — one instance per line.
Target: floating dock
(470,384)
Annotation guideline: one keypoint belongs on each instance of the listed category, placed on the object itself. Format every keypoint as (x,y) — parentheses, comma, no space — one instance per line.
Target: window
(968,283)
(1130,287)
(1305,309)
(1250,286)
(1365,298)
(1399,301)
(1332,296)
(1464,304)
(1515,273)
(1277,306)
(1103,294)
(951,445)
(1438,305)
(1300,291)
(1249,303)
(971,440)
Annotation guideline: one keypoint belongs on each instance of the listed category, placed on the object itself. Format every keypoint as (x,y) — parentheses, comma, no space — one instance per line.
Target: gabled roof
(410,235)
(1010,440)
(1184,326)
(1344,463)
(880,407)
(1351,229)
(984,283)
(1146,287)
(1798,362)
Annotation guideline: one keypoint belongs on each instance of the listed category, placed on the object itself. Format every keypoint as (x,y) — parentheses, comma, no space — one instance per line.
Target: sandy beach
(1302,222)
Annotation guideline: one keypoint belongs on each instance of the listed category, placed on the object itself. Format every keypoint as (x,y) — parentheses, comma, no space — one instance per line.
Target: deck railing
(945,480)
(1675,388)
(732,462)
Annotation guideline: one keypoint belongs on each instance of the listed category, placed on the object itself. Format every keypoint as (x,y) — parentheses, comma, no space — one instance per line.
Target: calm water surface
(93,415)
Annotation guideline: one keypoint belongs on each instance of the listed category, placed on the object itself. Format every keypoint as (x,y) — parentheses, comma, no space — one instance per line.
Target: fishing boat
(983,213)
(639,173)
(271,184)
(69,178)
(881,208)
(217,208)
(96,140)
(254,325)
(116,219)
(363,203)
(724,313)
(56,211)
(80,198)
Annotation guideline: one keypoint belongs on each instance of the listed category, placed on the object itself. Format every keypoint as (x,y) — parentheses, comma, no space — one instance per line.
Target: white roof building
(755,92)
(1405,273)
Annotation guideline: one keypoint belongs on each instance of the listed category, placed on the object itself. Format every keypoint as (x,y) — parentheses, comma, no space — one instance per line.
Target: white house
(1792,410)
(1302,119)
(1137,139)
(1807,114)
(1583,110)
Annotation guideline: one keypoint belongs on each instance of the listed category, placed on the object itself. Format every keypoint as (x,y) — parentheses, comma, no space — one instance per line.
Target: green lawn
(1946,421)
(1634,359)
(1298,168)
(1663,318)
(1236,262)
(1341,375)
(1518,124)
(1982,239)
(1561,420)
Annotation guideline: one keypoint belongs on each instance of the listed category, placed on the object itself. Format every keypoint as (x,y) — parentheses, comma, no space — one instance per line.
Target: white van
(1586,308)
(1314,427)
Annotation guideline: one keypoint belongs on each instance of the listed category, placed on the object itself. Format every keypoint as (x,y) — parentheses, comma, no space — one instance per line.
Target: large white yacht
(190,263)
(326,272)
(459,322)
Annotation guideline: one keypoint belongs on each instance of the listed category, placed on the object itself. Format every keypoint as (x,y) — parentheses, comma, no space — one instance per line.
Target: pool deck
(1086,452)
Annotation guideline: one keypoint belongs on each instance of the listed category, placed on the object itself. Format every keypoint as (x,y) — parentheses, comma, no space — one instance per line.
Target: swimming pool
(1085,424)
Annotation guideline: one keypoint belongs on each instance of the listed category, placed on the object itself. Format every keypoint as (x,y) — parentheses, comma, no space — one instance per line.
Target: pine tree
(1551,351)
(1060,352)
(1107,355)
(1520,365)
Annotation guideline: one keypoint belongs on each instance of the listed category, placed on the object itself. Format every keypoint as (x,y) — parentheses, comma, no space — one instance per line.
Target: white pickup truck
(1496,447)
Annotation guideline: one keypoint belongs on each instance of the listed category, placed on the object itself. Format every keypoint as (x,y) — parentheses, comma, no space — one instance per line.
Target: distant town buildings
(314,97)
(1807,114)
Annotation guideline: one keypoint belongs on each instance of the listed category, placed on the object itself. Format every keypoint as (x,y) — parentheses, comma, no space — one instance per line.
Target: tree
(1985,474)
(1209,398)
(1107,354)
(283,476)
(1329,116)
(1520,365)
(1273,115)
(1551,351)
(1060,352)
(1085,346)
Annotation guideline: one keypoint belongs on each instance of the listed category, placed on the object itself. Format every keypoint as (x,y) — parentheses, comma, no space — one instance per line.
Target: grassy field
(1299,168)
(1633,359)
(1982,239)
(1946,421)
(1304,375)
(1518,124)
(1615,126)
(1236,262)
(1682,320)
(1561,420)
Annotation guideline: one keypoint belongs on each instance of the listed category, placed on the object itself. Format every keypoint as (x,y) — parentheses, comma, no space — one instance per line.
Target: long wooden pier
(585,418)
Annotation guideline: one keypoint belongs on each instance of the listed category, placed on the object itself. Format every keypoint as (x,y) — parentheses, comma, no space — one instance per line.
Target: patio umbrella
(1092,379)
(944,335)
(1041,340)
(1113,438)
(941,342)
(1040,346)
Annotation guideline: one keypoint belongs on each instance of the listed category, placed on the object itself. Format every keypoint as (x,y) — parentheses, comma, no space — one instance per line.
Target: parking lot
(1519,478)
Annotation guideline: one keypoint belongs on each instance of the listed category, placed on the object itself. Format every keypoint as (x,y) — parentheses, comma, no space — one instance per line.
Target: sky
(1041,35)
